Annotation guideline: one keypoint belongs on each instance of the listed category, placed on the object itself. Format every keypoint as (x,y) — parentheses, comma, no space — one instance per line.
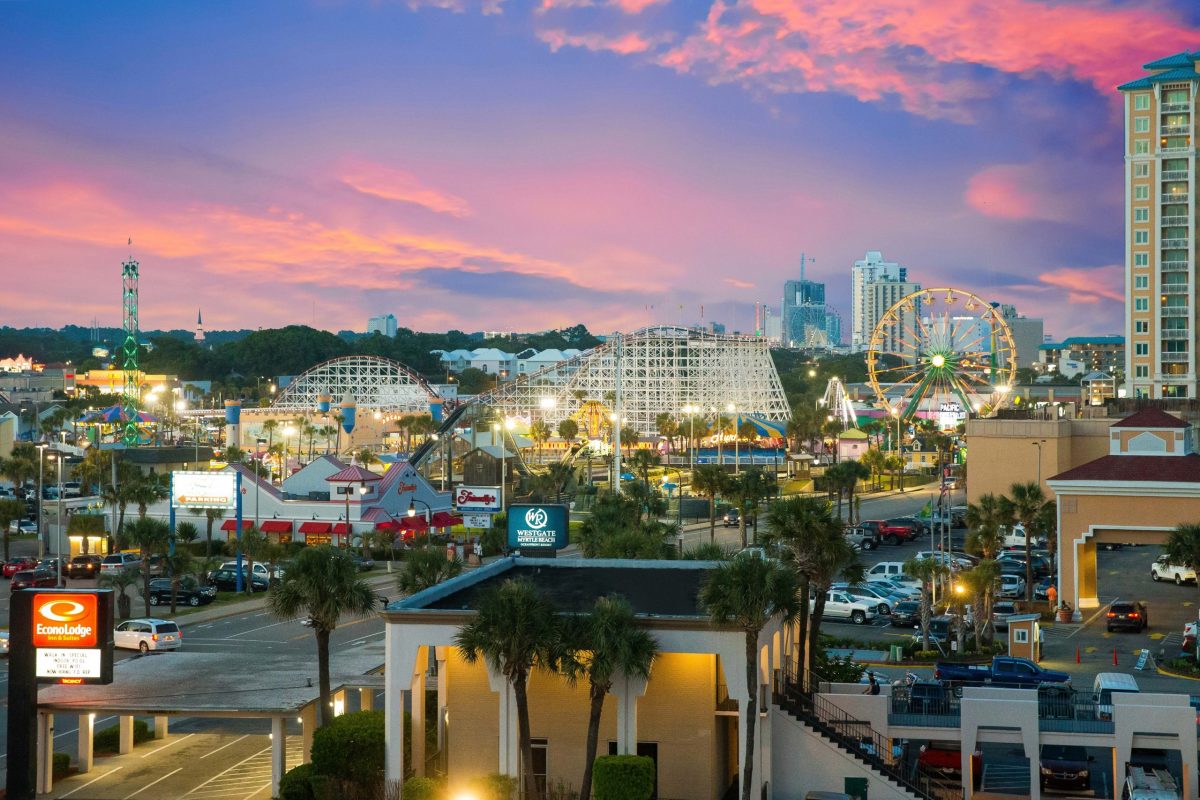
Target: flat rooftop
(652,588)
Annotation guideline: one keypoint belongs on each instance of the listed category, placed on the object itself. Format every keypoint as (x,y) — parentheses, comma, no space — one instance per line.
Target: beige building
(1160,228)
(1001,452)
(1146,484)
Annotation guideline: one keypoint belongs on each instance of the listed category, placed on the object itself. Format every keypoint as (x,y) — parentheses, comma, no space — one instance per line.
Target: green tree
(642,461)
(147,489)
(748,488)
(750,592)
(540,432)
(568,429)
(1027,506)
(980,580)
(120,582)
(667,427)
(514,631)
(425,567)
(629,438)
(323,583)
(150,537)
(927,571)
(178,565)
(709,480)
(985,526)
(875,461)
(269,427)
(253,547)
(600,645)
(211,515)
(9,510)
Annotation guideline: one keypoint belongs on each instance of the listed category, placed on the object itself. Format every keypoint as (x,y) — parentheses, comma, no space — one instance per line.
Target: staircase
(854,737)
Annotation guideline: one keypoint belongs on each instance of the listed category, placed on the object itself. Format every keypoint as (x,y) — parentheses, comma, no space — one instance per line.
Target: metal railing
(1065,710)
(1173,221)
(1167,108)
(853,735)
(1175,175)
(1174,130)
(1184,148)
(1175,197)
(1175,311)
(1174,244)
(923,709)
(1174,266)
(1176,335)
(1174,288)
(1173,358)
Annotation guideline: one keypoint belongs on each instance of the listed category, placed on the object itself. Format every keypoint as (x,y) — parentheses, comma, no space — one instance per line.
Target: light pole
(1038,445)
(58,537)
(498,428)
(691,410)
(412,509)
(258,480)
(717,429)
(41,448)
(288,431)
(737,452)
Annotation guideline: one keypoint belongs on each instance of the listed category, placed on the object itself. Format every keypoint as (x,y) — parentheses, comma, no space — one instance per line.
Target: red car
(16,565)
(945,759)
(34,579)
(890,531)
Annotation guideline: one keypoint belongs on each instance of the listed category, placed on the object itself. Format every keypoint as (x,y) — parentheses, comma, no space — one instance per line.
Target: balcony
(1171,149)
(1175,197)
(1175,175)
(1173,358)
(1171,222)
(1175,130)
(1175,289)
(1168,108)
(1176,335)
(1174,244)
(1174,266)
(1176,311)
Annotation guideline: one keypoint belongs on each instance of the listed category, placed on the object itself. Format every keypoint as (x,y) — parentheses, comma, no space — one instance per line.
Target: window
(1021,636)
(1141,326)
(1141,349)
(1141,192)
(1141,237)
(1141,102)
(1141,282)
(1141,371)
(1141,124)
(1141,148)
(1141,170)
(1141,304)
(1141,215)
(540,749)
(1141,259)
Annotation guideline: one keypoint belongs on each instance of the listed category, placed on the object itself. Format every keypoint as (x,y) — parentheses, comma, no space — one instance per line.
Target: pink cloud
(389,183)
(738,284)
(1088,286)
(1023,191)
(624,44)
(635,6)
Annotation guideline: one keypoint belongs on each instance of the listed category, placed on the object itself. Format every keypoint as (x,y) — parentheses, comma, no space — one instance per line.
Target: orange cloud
(739,284)
(635,6)
(624,44)
(389,183)
(1088,285)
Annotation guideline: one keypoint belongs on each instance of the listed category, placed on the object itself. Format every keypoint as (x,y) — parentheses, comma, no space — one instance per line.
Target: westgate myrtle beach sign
(537,526)
(477,499)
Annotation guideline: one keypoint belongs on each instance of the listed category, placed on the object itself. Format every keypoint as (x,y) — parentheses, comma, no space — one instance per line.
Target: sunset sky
(521,165)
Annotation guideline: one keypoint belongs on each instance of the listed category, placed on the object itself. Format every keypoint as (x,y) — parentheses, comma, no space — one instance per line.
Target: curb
(1169,674)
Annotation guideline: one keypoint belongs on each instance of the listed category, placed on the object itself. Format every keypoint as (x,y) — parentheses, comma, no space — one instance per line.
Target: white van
(1015,537)
(1149,784)
(891,570)
(1105,685)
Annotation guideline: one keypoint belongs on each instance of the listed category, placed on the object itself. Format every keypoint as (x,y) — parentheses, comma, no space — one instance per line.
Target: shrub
(623,778)
(417,788)
(109,739)
(495,787)
(62,765)
(296,783)
(350,748)
(493,540)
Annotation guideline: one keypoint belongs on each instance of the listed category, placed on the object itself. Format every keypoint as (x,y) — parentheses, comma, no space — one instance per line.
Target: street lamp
(41,448)
(1038,445)
(58,537)
(691,411)
(737,453)
(288,432)
(258,477)
(412,509)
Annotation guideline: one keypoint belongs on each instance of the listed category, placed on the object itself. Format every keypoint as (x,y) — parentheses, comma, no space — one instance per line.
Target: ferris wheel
(942,351)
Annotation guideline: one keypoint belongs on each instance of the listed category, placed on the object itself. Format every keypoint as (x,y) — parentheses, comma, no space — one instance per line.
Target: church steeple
(199,327)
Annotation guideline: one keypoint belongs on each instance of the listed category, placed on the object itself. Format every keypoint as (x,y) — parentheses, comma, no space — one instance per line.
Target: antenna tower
(129,353)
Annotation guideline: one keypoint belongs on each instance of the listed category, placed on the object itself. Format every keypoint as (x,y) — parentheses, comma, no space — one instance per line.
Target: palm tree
(150,537)
(1026,506)
(641,463)
(178,565)
(327,431)
(254,544)
(602,644)
(629,438)
(667,427)
(323,583)
(515,630)
(750,592)
(120,583)
(981,581)
(366,457)
(425,567)
(853,472)
(895,465)
(874,460)
(709,480)
(9,510)
(540,432)
(146,490)
(927,571)
(233,454)
(269,427)
(985,521)
(186,532)
(211,515)
(748,489)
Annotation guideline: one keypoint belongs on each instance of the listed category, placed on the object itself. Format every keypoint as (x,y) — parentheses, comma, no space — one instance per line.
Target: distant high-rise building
(833,327)
(1028,335)
(773,327)
(385,325)
(869,303)
(199,327)
(1160,228)
(882,295)
(803,313)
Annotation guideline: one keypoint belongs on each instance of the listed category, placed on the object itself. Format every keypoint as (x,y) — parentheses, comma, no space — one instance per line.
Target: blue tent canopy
(766,428)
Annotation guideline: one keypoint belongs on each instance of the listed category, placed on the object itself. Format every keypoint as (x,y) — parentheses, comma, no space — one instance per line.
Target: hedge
(109,739)
(62,765)
(418,788)
(350,748)
(495,787)
(296,783)
(623,778)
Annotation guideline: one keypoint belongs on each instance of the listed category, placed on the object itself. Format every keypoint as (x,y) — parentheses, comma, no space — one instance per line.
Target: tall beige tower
(1160,228)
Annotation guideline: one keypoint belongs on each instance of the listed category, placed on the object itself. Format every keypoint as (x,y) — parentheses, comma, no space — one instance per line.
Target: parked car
(862,538)
(260,569)
(921,526)
(366,564)
(944,759)
(34,579)
(72,489)
(225,580)
(1003,671)
(731,518)
(1015,537)
(22,527)
(1128,615)
(942,630)
(1001,611)
(1065,766)
(188,594)
(116,563)
(84,566)
(880,600)
(1011,586)
(1041,564)
(1162,570)
(893,571)
(1105,686)
(842,605)
(900,530)
(1041,589)
(4,642)
(903,588)
(146,634)
(906,614)
(15,565)
(927,697)
(952,560)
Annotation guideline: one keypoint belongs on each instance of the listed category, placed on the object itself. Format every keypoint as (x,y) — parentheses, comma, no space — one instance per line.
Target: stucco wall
(805,762)
(1002,452)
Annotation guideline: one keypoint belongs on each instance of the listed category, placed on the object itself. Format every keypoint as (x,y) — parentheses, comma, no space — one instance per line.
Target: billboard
(201,490)
(541,526)
(477,499)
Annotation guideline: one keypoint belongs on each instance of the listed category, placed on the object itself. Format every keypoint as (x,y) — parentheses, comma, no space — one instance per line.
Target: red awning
(388,525)
(277,526)
(443,519)
(231,525)
(340,528)
(413,524)
(315,527)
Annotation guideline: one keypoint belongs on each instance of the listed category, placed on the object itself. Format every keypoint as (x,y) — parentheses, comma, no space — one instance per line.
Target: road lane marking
(148,785)
(266,749)
(93,780)
(222,747)
(168,744)
(263,627)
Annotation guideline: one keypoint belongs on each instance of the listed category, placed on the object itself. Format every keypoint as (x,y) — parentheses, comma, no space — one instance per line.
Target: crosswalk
(249,779)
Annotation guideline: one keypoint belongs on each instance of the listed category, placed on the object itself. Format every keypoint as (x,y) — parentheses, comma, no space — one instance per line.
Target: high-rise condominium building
(385,325)
(875,286)
(803,313)
(1160,228)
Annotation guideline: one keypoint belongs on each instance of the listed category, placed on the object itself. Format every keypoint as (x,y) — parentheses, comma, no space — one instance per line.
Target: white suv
(148,634)
(119,562)
(840,604)
(1161,570)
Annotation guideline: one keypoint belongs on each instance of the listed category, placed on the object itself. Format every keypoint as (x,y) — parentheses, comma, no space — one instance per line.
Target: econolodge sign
(65,620)
(538,527)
